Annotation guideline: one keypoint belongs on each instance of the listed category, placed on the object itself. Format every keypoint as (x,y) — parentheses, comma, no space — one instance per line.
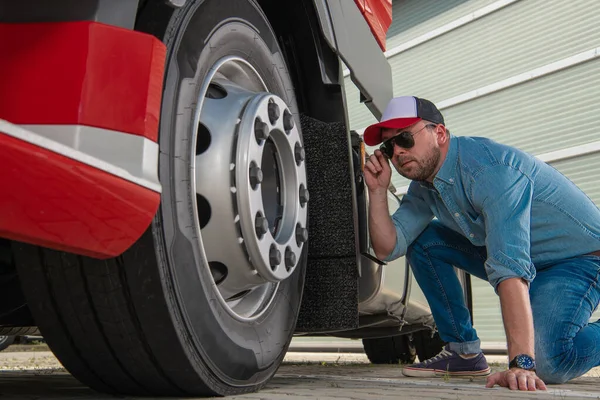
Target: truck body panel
(84,124)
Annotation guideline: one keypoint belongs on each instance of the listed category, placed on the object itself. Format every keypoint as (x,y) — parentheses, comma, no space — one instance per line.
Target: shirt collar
(447,172)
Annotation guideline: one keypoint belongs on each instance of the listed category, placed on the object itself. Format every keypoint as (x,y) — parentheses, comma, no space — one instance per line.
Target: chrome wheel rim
(249,178)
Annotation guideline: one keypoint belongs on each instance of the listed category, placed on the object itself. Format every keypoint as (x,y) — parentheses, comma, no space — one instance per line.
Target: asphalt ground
(36,375)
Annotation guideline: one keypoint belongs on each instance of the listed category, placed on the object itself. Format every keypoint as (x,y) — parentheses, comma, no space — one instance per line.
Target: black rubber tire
(6,341)
(148,322)
(390,350)
(426,345)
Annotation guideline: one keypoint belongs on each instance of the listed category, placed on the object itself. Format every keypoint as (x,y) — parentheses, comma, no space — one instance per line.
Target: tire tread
(94,332)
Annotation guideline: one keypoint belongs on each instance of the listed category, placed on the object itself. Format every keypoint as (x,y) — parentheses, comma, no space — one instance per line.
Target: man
(503,216)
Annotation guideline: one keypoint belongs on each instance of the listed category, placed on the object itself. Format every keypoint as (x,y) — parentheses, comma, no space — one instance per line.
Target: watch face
(524,361)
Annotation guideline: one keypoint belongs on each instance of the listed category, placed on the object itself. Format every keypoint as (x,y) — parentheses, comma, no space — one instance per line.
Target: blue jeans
(563,297)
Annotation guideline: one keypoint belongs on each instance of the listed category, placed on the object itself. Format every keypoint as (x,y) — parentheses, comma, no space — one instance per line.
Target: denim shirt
(524,211)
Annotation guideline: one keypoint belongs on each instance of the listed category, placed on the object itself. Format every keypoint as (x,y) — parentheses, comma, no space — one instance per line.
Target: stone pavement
(38,375)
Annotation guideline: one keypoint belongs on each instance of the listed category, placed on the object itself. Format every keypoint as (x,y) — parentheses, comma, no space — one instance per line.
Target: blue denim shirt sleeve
(504,196)
(410,219)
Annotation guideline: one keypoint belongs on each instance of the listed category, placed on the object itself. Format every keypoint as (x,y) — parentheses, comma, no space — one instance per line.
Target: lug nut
(256,175)
(274,256)
(261,225)
(299,153)
(288,120)
(301,235)
(274,112)
(304,197)
(290,258)
(261,130)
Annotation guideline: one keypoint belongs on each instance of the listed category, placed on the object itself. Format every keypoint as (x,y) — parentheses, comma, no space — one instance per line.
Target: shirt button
(451,180)
(456,215)
(472,235)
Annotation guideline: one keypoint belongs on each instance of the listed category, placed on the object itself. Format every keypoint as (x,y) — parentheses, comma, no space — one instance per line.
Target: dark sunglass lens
(405,140)
(387,148)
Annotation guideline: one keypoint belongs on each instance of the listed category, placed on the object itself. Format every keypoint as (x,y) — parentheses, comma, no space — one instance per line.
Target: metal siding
(413,18)
(546,114)
(512,40)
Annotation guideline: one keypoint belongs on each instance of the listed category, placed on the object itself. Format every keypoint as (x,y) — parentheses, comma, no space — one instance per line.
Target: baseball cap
(402,112)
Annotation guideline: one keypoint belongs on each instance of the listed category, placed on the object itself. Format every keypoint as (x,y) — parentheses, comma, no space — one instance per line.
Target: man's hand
(516,378)
(377,172)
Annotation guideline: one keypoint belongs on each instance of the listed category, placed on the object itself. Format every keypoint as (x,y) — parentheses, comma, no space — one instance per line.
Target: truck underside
(185,193)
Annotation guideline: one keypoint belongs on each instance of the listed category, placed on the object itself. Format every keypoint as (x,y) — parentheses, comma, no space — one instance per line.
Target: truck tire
(206,302)
(6,341)
(390,350)
(426,345)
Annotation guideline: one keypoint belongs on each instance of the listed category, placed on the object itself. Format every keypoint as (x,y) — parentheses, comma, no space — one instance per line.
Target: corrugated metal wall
(549,113)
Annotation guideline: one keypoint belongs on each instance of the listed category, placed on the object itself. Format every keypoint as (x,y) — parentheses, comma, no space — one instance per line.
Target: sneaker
(448,363)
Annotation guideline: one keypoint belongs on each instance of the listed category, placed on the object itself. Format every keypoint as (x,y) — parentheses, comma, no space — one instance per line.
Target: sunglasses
(404,139)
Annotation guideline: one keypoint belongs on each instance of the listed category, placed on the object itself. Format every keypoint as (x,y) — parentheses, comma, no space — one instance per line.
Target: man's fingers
(522,380)
(511,379)
(531,383)
(540,384)
(492,380)
(381,158)
(375,162)
(369,167)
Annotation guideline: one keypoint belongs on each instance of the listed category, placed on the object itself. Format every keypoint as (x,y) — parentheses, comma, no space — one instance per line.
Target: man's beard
(419,170)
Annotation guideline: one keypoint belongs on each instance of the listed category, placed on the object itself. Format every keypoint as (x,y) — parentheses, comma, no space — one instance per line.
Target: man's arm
(390,237)
(517,317)
(381,227)
(504,196)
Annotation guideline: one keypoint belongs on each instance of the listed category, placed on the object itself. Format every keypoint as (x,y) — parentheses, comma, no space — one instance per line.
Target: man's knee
(433,234)
(554,370)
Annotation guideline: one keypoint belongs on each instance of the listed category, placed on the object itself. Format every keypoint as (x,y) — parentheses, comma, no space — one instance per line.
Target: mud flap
(330,300)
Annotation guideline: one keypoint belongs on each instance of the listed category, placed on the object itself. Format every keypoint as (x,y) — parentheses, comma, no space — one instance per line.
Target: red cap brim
(372,134)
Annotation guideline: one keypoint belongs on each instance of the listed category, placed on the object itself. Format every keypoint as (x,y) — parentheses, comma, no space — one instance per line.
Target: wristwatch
(523,361)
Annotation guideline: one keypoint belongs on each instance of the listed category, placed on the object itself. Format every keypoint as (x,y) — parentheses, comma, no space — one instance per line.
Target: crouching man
(503,216)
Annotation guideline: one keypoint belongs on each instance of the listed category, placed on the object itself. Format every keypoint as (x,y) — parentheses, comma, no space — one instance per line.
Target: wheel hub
(273,252)
(250,181)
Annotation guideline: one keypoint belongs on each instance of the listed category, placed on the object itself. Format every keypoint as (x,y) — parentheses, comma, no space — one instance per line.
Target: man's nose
(398,150)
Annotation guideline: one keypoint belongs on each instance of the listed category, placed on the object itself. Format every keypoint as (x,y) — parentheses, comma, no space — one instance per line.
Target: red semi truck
(181,194)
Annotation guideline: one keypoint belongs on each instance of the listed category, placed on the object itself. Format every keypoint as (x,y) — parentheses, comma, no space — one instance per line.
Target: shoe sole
(438,373)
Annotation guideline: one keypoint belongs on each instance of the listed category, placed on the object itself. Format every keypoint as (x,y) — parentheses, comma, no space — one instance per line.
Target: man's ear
(442,134)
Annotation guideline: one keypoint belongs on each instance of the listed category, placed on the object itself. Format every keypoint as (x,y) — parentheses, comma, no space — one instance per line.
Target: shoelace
(439,356)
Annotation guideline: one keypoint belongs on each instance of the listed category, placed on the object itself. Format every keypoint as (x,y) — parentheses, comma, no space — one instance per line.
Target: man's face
(421,161)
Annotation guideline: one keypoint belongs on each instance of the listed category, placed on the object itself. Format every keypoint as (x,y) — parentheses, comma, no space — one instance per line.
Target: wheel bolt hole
(215,91)
(219,271)
(203,139)
(204,210)
(238,295)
